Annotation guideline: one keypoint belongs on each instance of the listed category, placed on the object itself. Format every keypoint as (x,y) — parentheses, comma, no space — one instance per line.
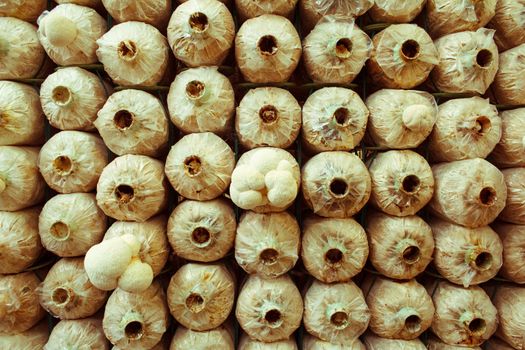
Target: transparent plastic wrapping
(249,8)
(201,32)
(434,343)
(336,50)
(402,182)
(26,10)
(452,16)
(267,49)
(468,62)
(70,224)
(200,296)
(400,119)
(497,344)
(268,116)
(78,334)
(90,3)
(71,98)
(402,57)
(335,184)
(22,54)
(513,240)
(21,185)
(267,244)
(508,86)
(398,309)
(469,192)
(136,320)
(266,179)
(464,316)
(201,100)
(336,313)
(510,151)
(21,120)
(130,255)
(250,344)
(72,161)
(151,234)
(466,256)
(510,302)
(19,307)
(465,128)
(34,338)
(19,240)
(332,249)
(154,12)
(514,211)
(202,231)
(269,310)
(312,11)
(400,247)
(134,53)
(66,292)
(373,342)
(218,338)
(69,34)
(132,188)
(334,119)
(509,23)
(199,166)
(312,343)
(133,122)
(392,11)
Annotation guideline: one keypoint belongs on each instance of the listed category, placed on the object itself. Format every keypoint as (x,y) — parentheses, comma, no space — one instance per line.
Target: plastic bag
(132,188)
(217,338)
(249,8)
(267,49)
(34,338)
(334,119)
(199,166)
(392,11)
(154,12)
(509,22)
(21,119)
(465,128)
(267,244)
(133,122)
(313,343)
(201,32)
(336,50)
(72,161)
(26,10)
(250,344)
(335,184)
(434,343)
(510,302)
(514,211)
(513,240)
(469,192)
(268,116)
(200,296)
(373,342)
(77,334)
(311,11)
(202,231)
(466,256)
(333,249)
(201,100)
(70,224)
(508,86)
(510,151)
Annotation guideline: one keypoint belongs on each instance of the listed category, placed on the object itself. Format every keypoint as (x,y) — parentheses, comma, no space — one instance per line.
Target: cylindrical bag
(336,313)
(434,343)
(509,23)
(267,244)
(154,12)
(268,116)
(86,332)
(333,249)
(508,86)
(334,119)
(466,256)
(269,310)
(514,211)
(400,119)
(510,151)
(66,292)
(400,247)
(247,9)
(497,344)
(34,338)
(313,343)
(373,342)
(510,303)
(22,120)
(201,296)
(26,10)
(202,231)
(199,166)
(465,128)
(133,122)
(469,192)
(392,11)
(311,11)
(19,240)
(513,240)
(402,58)
(267,49)
(246,343)
(217,338)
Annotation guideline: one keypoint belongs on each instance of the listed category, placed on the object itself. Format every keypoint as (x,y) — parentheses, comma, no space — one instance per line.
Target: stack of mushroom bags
(287,174)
